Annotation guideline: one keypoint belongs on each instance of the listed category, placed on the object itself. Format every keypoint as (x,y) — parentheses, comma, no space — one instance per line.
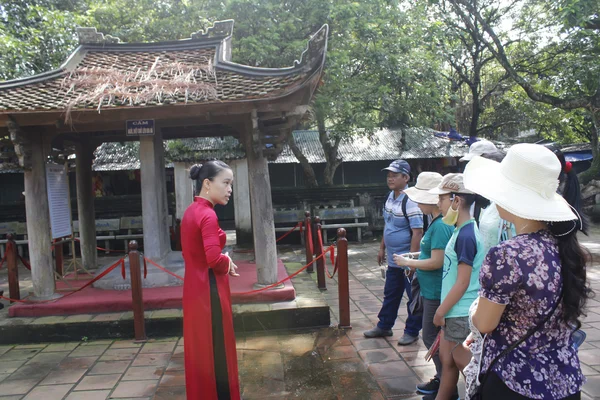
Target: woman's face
(428,209)
(444,203)
(219,189)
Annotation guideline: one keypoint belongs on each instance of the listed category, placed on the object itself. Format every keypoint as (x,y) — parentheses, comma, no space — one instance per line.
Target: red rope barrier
(102,275)
(25,262)
(163,269)
(298,225)
(330,248)
(103,249)
(331,257)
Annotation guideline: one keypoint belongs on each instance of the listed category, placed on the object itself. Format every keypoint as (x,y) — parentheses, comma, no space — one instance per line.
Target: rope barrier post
(13,268)
(59,258)
(343,282)
(136,292)
(308,241)
(321,284)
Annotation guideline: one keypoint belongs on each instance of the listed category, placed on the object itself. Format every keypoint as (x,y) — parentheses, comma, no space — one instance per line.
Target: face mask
(451,216)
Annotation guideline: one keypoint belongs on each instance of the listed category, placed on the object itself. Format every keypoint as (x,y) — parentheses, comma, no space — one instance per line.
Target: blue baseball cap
(399,166)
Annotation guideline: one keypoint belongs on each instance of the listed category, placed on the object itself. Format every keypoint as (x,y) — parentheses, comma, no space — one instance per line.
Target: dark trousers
(495,389)
(430,331)
(395,284)
(221,374)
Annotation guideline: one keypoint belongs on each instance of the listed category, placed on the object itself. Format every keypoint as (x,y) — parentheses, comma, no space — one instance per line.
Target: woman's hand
(403,260)
(438,318)
(232,271)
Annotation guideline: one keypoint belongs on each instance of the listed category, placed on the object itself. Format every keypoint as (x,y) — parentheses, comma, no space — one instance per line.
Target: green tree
(556,60)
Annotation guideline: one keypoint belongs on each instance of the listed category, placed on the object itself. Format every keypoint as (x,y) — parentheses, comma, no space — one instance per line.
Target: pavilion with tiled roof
(104,83)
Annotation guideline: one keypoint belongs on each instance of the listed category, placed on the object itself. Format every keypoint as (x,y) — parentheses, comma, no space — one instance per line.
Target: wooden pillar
(154,197)
(261,204)
(38,219)
(184,190)
(86,213)
(241,194)
(13,269)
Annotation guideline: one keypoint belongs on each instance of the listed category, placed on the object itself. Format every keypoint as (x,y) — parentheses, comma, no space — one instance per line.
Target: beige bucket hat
(478,148)
(420,192)
(451,183)
(524,183)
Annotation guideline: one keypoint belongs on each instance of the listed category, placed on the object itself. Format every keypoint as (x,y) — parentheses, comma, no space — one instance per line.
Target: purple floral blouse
(524,274)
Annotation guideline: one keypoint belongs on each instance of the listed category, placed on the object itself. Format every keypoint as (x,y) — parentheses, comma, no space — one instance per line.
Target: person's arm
(212,247)
(487,316)
(455,294)
(430,264)
(415,241)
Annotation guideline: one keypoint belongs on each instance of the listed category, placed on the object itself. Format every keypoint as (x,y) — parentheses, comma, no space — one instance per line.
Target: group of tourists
(491,258)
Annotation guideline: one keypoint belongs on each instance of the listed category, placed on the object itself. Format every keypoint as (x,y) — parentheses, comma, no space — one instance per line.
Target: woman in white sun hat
(429,265)
(533,286)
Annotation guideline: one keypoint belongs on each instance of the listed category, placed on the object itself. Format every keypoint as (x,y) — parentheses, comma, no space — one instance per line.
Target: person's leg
(462,356)
(449,370)
(413,322)
(392,296)
(430,331)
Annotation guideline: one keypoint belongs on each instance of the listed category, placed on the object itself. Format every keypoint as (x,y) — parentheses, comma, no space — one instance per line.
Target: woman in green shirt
(429,265)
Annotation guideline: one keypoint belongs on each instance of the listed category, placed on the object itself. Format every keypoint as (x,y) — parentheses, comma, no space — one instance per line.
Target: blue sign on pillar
(140,127)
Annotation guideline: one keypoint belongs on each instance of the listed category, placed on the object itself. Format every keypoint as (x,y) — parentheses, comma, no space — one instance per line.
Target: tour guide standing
(402,234)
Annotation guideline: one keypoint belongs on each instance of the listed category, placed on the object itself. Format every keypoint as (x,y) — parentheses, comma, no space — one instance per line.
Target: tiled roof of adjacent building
(383,145)
(231,82)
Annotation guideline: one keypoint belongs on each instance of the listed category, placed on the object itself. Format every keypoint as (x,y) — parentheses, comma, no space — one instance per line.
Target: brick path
(319,364)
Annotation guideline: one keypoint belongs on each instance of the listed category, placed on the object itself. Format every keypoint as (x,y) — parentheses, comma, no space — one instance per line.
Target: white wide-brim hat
(478,148)
(420,192)
(524,183)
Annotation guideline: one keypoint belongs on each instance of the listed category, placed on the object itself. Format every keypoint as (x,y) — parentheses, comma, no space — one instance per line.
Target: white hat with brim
(478,148)
(524,184)
(420,192)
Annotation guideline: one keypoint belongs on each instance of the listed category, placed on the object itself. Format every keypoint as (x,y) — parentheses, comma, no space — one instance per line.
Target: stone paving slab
(325,363)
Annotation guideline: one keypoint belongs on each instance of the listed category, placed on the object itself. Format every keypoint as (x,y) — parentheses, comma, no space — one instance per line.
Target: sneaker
(430,387)
(433,396)
(378,332)
(407,339)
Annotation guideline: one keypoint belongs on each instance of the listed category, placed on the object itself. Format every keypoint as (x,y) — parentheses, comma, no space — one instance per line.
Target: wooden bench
(341,217)
(135,228)
(105,230)
(286,219)
(19,229)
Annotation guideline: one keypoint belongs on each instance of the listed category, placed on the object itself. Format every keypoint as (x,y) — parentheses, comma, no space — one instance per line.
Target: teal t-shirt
(436,238)
(465,246)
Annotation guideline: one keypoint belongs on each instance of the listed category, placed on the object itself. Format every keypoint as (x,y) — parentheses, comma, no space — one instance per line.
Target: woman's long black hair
(571,191)
(573,258)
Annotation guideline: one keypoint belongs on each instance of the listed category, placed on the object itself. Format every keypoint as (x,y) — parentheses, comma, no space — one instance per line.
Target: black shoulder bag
(483,377)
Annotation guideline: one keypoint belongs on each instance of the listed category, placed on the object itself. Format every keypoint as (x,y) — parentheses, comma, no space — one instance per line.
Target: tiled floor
(321,364)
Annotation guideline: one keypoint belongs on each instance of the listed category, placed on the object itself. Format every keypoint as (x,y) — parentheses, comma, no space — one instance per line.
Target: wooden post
(308,241)
(59,258)
(321,284)
(343,283)
(137,301)
(13,269)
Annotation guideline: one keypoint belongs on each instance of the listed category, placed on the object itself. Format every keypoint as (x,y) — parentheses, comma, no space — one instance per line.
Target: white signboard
(58,200)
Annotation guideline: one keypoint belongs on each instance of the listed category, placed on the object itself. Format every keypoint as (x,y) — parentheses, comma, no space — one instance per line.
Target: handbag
(416,304)
(478,394)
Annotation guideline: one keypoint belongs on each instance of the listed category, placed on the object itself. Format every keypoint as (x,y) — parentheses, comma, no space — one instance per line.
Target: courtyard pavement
(321,364)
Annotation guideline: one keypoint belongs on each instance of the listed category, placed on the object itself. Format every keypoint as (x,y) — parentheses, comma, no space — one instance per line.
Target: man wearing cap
(402,234)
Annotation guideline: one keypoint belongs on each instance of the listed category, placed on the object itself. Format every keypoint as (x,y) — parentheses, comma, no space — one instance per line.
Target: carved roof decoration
(233,82)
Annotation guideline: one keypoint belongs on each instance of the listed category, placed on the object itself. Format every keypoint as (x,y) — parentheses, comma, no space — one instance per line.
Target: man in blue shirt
(402,234)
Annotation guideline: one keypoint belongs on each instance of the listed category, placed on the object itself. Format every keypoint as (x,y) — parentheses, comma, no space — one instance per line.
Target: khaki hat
(420,192)
(451,183)
(478,148)
(524,183)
